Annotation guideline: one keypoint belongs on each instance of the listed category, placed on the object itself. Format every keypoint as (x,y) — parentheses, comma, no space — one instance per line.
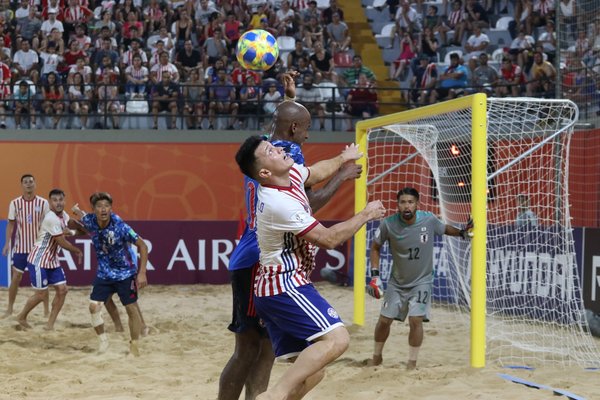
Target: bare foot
(145,331)
(376,360)
(48,327)
(7,314)
(23,324)
(411,364)
(133,348)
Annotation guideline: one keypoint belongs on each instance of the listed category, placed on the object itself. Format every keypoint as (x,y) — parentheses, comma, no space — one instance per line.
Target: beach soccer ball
(257,50)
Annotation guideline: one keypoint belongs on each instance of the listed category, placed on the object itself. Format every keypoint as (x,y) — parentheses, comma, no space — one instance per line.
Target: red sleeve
(308,229)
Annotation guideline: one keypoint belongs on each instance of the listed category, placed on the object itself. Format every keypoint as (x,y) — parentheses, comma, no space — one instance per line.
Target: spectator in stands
(271,99)
(338,34)
(583,48)
(362,100)
(127,57)
(108,67)
(165,95)
(313,33)
(485,77)
(82,39)
(107,51)
(309,12)
(107,27)
(189,59)
(475,16)
(5,53)
(350,76)
(309,95)
(510,80)
(181,29)
(52,5)
(221,95)
(25,63)
(264,25)
(423,82)
(51,61)
(204,11)
(152,15)
(131,29)
(298,52)
(232,28)
(477,43)
(56,37)
(105,34)
(408,51)
(168,43)
(239,75)
(452,81)
(457,22)
(164,66)
(541,13)
(28,28)
(250,100)
(23,100)
(214,48)
(285,20)
(521,48)
(194,95)
(543,76)
(75,14)
(525,217)
(53,96)
(428,46)
(80,95)
(303,69)
(73,53)
(547,40)
(568,18)
(406,20)
(108,99)
(51,23)
(82,68)
(137,77)
(322,63)
(327,14)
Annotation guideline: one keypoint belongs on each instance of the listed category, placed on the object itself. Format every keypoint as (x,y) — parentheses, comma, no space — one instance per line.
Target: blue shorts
(41,278)
(295,318)
(126,289)
(244,312)
(19,261)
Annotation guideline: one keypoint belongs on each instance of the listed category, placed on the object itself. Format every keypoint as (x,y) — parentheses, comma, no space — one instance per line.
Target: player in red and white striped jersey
(25,213)
(300,322)
(42,261)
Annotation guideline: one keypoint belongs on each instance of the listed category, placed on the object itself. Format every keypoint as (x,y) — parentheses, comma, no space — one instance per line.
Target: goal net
(529,292)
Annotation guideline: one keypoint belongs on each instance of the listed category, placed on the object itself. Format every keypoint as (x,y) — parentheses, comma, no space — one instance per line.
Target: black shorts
(244,314)
(126,289)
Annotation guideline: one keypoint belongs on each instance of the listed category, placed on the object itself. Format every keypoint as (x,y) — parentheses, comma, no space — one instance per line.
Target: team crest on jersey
(111,238)
(332,313)
(424,237)
(38,208)
(29,218)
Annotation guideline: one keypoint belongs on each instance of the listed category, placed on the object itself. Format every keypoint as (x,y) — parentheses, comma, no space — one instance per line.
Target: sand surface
(184,356)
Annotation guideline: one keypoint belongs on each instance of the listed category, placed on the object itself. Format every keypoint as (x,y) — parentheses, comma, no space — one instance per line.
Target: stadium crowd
(108,58)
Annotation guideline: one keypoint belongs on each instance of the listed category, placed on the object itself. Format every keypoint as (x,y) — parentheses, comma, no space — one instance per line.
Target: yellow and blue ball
(257,50)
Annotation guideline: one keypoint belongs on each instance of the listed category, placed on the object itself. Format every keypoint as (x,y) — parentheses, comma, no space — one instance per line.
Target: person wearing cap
(52,23)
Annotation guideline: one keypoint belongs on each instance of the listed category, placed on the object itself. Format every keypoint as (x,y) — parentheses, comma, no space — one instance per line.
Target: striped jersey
(44,250)
(283,216)
(28,216)
(246,253)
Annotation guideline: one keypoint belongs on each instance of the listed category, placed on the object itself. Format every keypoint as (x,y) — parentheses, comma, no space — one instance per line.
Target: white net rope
(534,306)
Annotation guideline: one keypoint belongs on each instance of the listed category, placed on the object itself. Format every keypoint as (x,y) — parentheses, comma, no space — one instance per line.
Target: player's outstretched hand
(77,211)
(350,171)
(289,83)
(467,232)
(375,287)
(375,210)
(351,153)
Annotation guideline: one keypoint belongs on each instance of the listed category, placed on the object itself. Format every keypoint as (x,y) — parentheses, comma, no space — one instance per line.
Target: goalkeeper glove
(467,232)
(375,286)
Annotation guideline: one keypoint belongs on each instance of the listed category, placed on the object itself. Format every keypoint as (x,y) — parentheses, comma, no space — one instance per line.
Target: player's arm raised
(329,238)
(326,168)
(318,198)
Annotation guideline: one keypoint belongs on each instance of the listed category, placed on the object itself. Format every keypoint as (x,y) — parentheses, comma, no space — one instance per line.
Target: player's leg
(56,278)
(101,291)
(19,264)
(113,311)
(302,316)
(392,308)
(419,305)
(39,283)
(127,291)
(252,359)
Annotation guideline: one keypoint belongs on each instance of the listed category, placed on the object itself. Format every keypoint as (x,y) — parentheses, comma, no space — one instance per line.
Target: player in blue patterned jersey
(252,360)
(117,269)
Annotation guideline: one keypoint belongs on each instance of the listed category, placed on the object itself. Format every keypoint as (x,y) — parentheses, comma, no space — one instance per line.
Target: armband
(374,272)
(286,98)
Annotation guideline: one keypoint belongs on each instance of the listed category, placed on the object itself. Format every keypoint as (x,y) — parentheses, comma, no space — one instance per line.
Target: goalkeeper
(410,236)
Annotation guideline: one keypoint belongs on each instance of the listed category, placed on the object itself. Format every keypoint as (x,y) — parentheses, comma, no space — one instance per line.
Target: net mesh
(534,306)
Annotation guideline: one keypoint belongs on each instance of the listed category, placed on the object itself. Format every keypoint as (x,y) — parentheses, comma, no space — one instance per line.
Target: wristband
(286,98)
(374,272)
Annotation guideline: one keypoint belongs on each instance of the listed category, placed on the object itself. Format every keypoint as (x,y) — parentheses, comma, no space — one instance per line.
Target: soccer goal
(503,162)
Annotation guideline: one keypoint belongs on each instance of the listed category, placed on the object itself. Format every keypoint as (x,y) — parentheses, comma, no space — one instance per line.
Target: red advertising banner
(182,252)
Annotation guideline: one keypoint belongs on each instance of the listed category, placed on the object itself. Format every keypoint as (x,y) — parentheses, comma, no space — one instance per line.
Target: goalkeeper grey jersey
(411,247)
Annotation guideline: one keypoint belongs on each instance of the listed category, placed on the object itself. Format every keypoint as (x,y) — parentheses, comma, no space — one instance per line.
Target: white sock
(413,352)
